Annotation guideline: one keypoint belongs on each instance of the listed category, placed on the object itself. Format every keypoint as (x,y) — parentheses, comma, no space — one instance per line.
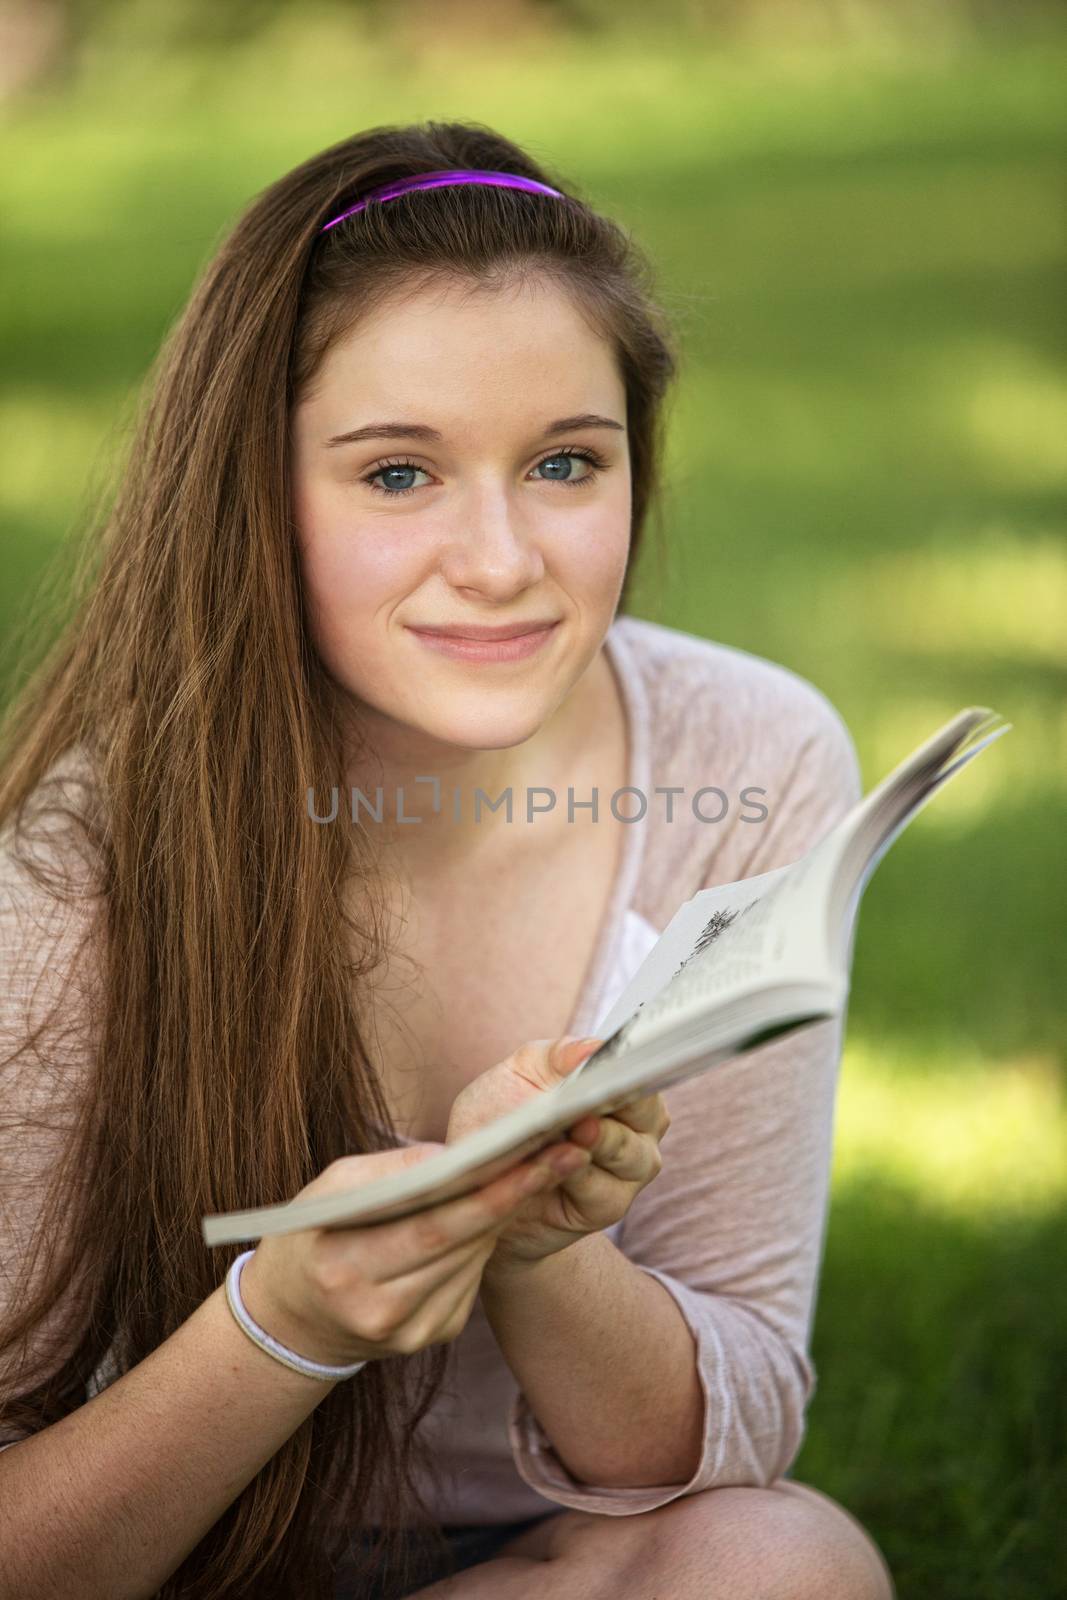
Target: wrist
(504,1273)
(283,1324)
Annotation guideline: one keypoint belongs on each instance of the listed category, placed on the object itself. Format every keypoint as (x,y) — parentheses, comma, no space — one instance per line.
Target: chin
(479,731)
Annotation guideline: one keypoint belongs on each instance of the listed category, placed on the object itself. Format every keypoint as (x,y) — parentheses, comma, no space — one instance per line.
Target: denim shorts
(469,1545)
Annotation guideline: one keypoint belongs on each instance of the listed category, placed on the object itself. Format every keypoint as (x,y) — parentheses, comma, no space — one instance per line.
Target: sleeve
(43,945)
(734,1225)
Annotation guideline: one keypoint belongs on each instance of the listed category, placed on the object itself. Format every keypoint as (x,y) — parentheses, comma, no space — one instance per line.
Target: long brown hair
(227,1063)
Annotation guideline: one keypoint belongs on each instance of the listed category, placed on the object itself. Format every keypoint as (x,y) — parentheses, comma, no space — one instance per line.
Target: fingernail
(578,1049)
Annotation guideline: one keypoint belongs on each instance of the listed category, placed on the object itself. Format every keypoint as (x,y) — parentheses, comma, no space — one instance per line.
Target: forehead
(472,345)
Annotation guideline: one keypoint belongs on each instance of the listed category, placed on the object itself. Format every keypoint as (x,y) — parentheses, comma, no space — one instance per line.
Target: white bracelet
(259,1336)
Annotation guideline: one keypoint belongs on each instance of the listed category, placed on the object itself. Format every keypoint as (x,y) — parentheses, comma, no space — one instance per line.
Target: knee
(785,1542)
(856,1568)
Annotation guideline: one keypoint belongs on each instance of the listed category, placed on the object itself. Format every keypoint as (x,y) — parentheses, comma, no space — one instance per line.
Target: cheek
(350,585)
(605,530)
(350,570)
(353,572)
(589,554)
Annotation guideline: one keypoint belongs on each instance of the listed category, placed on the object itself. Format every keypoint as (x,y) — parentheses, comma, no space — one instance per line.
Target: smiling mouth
(479,634)
(509,647)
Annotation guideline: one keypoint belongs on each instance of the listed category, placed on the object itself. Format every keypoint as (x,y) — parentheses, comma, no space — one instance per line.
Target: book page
(724,941)
(692,924)
(775,928)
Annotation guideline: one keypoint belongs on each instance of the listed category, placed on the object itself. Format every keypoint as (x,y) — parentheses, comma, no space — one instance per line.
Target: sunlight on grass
(88,193)
(994,596)
(991,601)
(621,95)
(989,1140)
(1014,408)
(635,100)
(1030,757)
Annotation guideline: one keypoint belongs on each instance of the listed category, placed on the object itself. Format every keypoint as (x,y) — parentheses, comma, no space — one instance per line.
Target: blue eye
(596,462)
(392,467)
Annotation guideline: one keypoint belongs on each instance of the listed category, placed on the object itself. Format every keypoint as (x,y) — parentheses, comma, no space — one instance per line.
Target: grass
(867,470)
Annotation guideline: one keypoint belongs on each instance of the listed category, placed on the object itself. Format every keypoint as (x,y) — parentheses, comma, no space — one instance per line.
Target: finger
(408,1313)
(548,1060)
(445,1311)
(569,1052)
(419,1293)
(647,1115)
(353,1171)
(460,1264)
(624,1153)
(585,1133)
(388,1250)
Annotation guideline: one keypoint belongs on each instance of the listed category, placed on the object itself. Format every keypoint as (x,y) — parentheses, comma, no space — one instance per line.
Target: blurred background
(857,214)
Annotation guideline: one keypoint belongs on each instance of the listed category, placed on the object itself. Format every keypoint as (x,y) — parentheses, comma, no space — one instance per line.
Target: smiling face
(501,518)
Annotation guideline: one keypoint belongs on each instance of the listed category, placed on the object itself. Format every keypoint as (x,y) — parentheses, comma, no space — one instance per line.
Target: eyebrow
(419,430)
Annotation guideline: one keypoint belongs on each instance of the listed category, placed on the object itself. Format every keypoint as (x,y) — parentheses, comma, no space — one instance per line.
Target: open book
(737,965)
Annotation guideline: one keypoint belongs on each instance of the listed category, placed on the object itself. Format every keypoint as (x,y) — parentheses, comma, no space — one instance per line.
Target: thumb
(569,1052)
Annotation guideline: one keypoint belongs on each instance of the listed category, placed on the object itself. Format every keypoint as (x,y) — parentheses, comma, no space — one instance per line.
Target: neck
(437,821)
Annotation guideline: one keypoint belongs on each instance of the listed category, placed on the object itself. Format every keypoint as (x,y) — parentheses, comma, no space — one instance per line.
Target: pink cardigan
(734,1225)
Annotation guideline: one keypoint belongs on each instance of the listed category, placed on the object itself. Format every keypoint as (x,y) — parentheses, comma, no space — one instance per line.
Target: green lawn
(867,475)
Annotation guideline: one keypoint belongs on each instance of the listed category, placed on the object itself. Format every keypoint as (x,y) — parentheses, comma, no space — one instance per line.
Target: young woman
(395,418)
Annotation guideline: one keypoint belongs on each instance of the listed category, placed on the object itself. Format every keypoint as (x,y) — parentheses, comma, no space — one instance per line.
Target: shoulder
(50,896)
(715,702)
(50,1016)
(49,848)
(764,735)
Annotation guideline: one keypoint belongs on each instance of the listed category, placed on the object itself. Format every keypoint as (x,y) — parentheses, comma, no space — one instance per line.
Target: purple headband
(446,179)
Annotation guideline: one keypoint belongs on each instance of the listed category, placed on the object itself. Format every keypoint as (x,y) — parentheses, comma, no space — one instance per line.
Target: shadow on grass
(940,1412)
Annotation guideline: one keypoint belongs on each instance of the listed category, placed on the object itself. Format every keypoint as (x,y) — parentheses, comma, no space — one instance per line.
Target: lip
(501,645)
(474,630)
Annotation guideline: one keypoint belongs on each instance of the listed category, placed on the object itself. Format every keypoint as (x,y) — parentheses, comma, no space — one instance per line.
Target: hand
(624,1148)
(341,1295)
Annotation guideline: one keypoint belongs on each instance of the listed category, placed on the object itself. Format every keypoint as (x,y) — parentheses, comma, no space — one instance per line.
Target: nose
(493,553)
